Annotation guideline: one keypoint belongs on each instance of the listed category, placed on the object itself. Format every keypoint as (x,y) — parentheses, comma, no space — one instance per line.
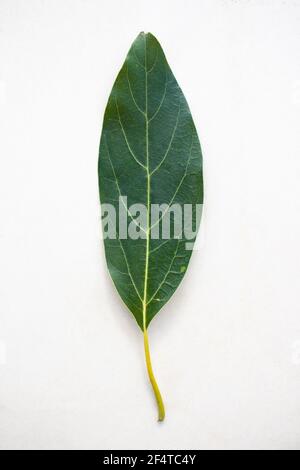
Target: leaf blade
(148,138)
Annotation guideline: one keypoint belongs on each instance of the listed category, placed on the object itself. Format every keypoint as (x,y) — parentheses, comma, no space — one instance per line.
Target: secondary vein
(125,137)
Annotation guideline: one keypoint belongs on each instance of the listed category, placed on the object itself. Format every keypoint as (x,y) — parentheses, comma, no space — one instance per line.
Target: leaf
(150,153)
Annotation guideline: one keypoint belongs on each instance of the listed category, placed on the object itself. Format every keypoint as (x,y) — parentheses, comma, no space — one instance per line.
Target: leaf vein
(126,140)
(132,95)
(170,144)
(177,189)
(129,272)
(119,190)
(166,275)
(161,101)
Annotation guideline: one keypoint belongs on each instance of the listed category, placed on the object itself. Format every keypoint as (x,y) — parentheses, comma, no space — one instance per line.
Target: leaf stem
(157,394)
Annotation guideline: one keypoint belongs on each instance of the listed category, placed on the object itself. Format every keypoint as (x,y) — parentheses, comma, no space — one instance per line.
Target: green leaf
(150,153)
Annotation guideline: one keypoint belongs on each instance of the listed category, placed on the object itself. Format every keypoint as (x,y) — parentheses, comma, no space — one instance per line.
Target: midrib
(148,197)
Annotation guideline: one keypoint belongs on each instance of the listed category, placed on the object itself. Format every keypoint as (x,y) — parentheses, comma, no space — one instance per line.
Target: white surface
(226,349)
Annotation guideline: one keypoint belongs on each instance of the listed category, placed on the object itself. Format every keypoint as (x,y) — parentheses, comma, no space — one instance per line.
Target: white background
(226,348)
